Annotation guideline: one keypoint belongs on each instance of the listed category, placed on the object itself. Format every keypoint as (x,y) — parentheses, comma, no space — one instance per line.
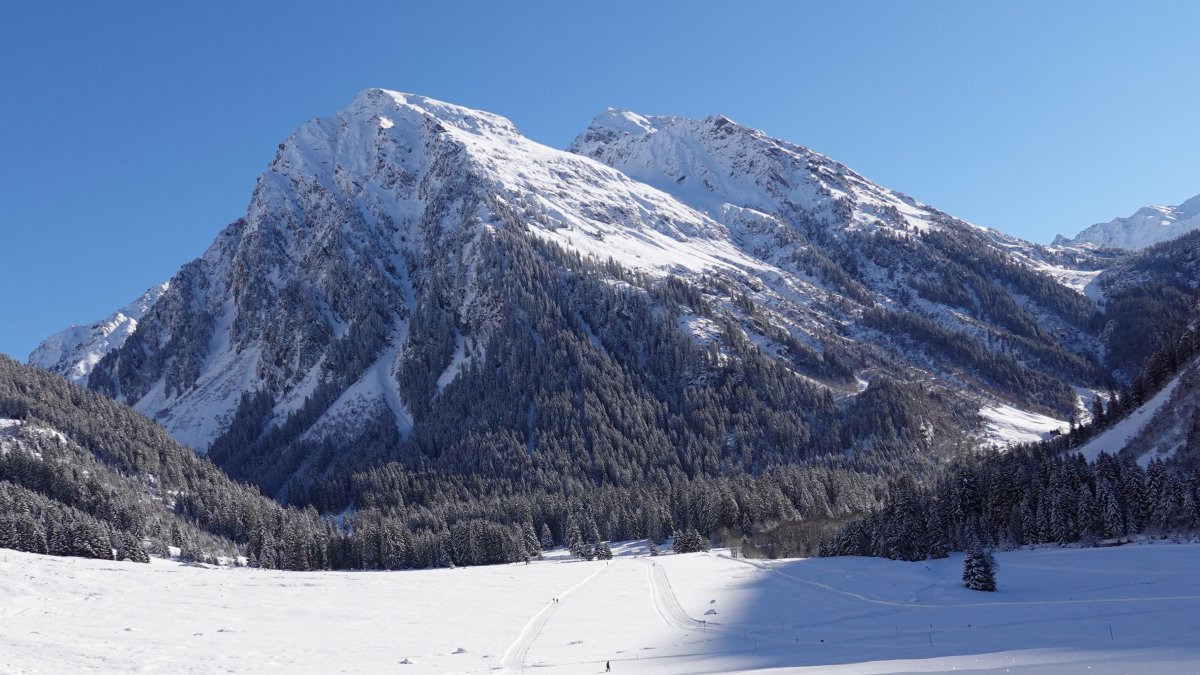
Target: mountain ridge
(417,282)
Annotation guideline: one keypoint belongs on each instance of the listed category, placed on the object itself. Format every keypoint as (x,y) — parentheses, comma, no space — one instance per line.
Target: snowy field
(1114,610)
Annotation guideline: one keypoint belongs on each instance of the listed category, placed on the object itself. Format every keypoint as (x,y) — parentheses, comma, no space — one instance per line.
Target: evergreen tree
(532,546)
(690,541)
(575,542)
(979,571)
(443,555)
(131,549)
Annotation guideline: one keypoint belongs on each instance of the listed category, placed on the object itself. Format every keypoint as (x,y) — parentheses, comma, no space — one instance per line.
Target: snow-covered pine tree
(979,571)
(547,540)
(89,540)
(533,547)
(443,556)
(575,542)
(690,541)
(131,549)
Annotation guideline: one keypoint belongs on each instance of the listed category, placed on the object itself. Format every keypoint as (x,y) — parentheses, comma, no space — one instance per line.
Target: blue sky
(132,132)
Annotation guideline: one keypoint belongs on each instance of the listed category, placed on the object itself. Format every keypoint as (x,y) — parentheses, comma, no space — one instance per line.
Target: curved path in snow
(513,660)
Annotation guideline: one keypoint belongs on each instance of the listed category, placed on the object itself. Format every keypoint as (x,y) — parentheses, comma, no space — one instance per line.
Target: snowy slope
(1007,425)
(1116,610)
(736,175)
(715,164)
(73,352)
(1147,226)
(1159,427)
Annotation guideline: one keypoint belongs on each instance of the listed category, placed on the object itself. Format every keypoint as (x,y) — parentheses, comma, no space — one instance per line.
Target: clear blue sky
(132,132)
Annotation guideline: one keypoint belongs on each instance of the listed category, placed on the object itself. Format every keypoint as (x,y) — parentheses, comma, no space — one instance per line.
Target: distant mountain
(73,352)
(416,285)
(1147,226)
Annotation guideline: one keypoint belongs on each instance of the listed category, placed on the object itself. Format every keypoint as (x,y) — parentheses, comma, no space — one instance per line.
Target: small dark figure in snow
(607,666)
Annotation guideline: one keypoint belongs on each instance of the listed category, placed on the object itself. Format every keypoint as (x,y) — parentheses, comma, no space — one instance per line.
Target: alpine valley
(675,325)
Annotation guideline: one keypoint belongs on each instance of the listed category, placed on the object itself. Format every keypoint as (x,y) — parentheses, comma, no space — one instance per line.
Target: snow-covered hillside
(1116,610)
(73,352)
(1147,226)
(1160,427)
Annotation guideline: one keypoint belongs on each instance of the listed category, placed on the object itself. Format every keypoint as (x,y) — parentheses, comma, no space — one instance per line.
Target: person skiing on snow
(607,666)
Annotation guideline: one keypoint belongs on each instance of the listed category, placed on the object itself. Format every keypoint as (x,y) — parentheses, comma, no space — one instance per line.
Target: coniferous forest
(1046,492)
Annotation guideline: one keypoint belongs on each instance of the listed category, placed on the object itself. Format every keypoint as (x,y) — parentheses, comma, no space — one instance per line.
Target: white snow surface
(1147,226)
(1080,281)
(73,352)
(1112,610)
(1007,425)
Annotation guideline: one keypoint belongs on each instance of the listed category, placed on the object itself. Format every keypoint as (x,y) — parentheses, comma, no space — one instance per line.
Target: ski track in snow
(513,660)
(666,603)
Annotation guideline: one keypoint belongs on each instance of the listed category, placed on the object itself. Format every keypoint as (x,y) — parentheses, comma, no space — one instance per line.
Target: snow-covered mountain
(1147,226)
(413,278)
(725,170)
(394,186)
(821,222)
(73,352)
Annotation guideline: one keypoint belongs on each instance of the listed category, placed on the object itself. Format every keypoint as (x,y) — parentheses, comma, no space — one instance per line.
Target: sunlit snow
(1115,610)
(1007,425)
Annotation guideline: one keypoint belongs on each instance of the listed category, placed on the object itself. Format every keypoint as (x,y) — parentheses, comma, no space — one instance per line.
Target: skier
(607,666)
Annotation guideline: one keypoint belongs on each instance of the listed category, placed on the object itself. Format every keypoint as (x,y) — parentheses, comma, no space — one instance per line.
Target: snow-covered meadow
(1114,610)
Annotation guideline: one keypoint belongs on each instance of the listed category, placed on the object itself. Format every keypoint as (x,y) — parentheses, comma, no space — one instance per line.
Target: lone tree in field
(979,571)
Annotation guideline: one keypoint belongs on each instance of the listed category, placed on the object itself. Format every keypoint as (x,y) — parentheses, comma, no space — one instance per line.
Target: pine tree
(443,555)
(575,542)
(979,573)
(547,540)
(532,546)
(690,541)
(131,549)
(88,540)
